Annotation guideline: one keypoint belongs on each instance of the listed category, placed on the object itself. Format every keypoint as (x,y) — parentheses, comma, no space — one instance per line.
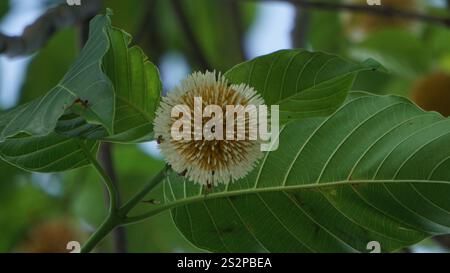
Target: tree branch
(149,8)
(382,10)
(36,35)
(238,26)
(149,38)
(443,241)
(185,24)
(300,32)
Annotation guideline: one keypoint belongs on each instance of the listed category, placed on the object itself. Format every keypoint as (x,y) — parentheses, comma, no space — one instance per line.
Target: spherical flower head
(202,160)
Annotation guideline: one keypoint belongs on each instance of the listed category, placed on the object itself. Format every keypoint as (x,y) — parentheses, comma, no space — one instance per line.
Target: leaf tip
(374,65)
(109,12)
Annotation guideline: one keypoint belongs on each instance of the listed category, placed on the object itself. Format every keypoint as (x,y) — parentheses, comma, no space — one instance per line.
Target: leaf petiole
(116,216)
(112,190)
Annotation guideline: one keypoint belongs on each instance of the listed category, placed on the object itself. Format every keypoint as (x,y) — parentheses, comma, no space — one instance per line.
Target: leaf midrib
(307,186)
(312,87)
(145,115)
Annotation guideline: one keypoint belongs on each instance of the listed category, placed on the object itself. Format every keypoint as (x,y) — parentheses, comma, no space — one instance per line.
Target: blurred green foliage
(49,65)
(4,6)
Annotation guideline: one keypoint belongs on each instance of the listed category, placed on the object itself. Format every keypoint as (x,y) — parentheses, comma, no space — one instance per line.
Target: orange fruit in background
(51,236)
(432,93)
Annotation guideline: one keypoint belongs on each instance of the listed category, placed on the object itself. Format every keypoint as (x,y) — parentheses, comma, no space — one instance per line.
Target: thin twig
(185,24)
(145,25)
(238,26)
(148,34)
(36,35)
(300,31)
(381,10)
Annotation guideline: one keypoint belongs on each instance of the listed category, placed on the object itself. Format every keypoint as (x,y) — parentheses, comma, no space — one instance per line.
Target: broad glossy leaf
(51,153)
(375,170)
(84,85)
(302,83)
(137,89)
(34,146)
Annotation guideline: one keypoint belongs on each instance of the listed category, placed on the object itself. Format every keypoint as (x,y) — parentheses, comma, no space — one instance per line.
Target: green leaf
(137,88)
(27,139)
(84,85)
(378,169)
(302,83)
(130,105)
(51,153)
